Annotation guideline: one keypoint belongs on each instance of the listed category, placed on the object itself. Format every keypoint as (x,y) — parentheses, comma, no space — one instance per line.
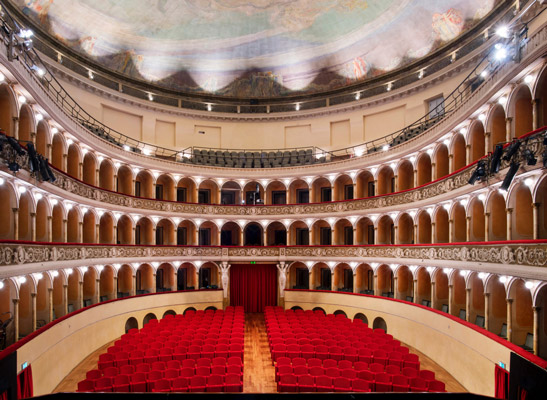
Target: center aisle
(258,371)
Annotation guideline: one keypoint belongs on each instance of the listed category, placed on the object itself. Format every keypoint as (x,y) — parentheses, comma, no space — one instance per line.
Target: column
(289,236)
(535,119)
(225,282)
(219,193)
(395,286)
(310,281)
(375,234)
(133,291)
(48,151)
(508,129)
(332,237)
(509,223)
(487,226)
(154,283)
(311,193)
(219,236)
(487,311)
(241,243)
(468,304)
(80,170)
(154,236)
(97,230)
(65,162)
(115,233)
(355,290)
(433,302)
(433,232)
(80,232)
(332,285)
(49,228)
(97,177)
(510,320)
(33,311)
(80,294)
(396,185)
(33,226)
(333,194)
(433,171)
(15,223)
(415,183)
(487,139)
(396,234)
(535,219)
(50,303)
(415,290)
(115,288)
(282,270)
(450,163)
(354,234)
(287,192)
(375,283)
(97,291)
(265,237)
(467,154)
(65,230)
(16,317)
(450,230)
(536,329)
(65,299)
(450,298)
(468,228)
(16,136)
(415,233)
(196,192)
(312,235)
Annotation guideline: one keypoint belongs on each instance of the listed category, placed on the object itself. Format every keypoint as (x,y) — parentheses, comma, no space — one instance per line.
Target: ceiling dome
(253,49)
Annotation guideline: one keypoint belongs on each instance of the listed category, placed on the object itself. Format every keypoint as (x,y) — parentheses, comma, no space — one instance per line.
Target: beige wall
(327,131)
(466,354)
(72,340)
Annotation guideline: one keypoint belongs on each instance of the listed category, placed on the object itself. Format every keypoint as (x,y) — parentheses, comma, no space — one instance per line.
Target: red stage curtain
(24,383)
(253,286)
(4,396)
(523,394)
(502,383)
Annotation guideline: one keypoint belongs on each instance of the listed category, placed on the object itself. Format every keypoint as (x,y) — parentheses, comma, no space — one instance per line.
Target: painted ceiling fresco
(260,48)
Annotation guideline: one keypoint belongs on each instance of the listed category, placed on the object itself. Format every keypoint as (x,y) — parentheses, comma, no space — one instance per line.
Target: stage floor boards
(259,374)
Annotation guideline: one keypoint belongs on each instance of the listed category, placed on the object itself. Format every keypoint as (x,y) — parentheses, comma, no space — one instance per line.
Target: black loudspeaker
(510,175)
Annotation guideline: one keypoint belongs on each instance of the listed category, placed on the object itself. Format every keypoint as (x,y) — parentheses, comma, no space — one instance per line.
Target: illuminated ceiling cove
(260,48)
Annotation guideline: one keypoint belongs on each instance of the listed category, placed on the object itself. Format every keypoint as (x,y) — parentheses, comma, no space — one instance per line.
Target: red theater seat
(86,386)
(138,382)
(162,385)
(436,386)
(323,384)
(215,383)
(306,383)
(287,383)
(360,385)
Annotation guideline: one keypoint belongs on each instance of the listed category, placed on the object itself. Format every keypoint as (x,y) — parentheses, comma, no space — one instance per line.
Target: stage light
(478,173)
(511,150)
(500,53)
(496,159)
(530,157)
(513,168)
(33,160)
(15,145)
(503,31)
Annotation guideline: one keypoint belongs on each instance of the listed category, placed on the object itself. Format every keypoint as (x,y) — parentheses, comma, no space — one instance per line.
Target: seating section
(314,352)
(200,351)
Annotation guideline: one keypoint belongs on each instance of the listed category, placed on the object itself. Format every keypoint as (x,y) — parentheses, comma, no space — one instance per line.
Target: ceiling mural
(254,49)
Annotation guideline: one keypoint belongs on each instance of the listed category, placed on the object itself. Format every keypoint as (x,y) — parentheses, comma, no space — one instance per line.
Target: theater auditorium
(273,196)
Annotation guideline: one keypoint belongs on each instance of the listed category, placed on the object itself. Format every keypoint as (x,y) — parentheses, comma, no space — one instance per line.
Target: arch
(8,202)
(364,231)
(276,234)
(43,138)
(423,167)
(541,96)
(386,230)
(276,193)
(186,233)
(89,287)
(106,283)
(171,312)
(253,234)
(131,323)
(73,225)
(384,282)
(73,160)
(144,185)
(230,193)
(522,318)
(497,222)
(540,301)
(459,233)
(74,300)
(520,200)
(440,296)
(90,169)
(379,323)
(165,188)
(361,317)
(458,152)
(89,227)
(58,146)
(26,207)
(343,188)
(208,234)
(144,231)
(186,191)
(25,306)
(423,290)
(343,278)
(298,276)
(319,309)
(299,233)
(26,123)
(340,312)
(165,278)
(211,308)
(106,229)
(322,190)
(186,277)
(208,276)
(124,180)
(57,224)
(364,185)
(519,107)
(253,193)
(189,309)
(8,109)
(165,232)
(299,192)
(459,295)
(148,317)
(230,234)
(476,141)
(42,299)
(540,199)
(497,304)
(297,308)
(321,277)
(405,229)
(106,174)
(321,233)
(405,284)
(424,227)
(386,181)
(125,281)
(476,311)
(59,300)
(442,165)
(476,212)
(42,225)
(364,279)
(343,232)
(405,175)
(497,126)
(144,279)
(208,192)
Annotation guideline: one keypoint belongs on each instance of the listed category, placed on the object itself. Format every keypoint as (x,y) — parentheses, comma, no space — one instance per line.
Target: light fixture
(503,31)
(513,168)
(90,74)
(54,202)
(429,151)
(482,275)
(482,117)
(22,99)
(39,117)
(2,181)
(21,280)
(482,197)
(297,107)
(55,274)
(421,74)
(100,268)
(529,182)
(150,97)
(21,189)
(484,73)
(1,285)
(447,270)
(500,53)
(25,33)
(84,269)
(2,77)
(502,100)
(54,130)
(69,141)
(529,285)
(357,95)
(146,151)
(126,147)
(209,107)
(528,79)
(446,142)
(463,131)
(463,272)
(479,173)
(385,147)
(389,85)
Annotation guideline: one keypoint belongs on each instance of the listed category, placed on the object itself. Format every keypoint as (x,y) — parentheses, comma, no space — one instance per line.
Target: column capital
(15,119)
(508,119)
(33,295)
(15,209)
(486,294)
(50,289)
(33,214)
(509,301)
(15,301)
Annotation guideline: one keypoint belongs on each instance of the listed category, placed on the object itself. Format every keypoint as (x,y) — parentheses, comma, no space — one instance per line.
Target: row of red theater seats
(139,382)
(400,383)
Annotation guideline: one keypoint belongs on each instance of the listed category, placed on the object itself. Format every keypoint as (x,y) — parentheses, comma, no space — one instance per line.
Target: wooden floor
(259,374)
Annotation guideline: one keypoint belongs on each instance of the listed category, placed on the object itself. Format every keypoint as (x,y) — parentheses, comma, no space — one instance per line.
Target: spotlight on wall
(496,159)
(513,168)
(511,150)
(479,173)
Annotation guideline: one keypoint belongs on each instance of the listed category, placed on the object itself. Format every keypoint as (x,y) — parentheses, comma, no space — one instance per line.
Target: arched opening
(364,231)
(343,232)
(379,323)
(25,307)
(405,175)
(424,287)
(253,234)
(540,302)
(73,161)
(476,312)
(294,308)
(144,280)
(144,232)
(520,201)
(73,225)
(58,295)
(299,276)
(144,186)
(131,323)
(299,192)
(364,279)
(299,234)
(322,191)
(497,223)
(441,290)
(106,283)
(405,229)
(476,140)
(89,287)
(364,185)
(321,233)
(343,278)
(42,301)
(165,188)
(186,233)
(25,123)
(386,181)
(42,228)
(541,95)
(89,227)
(25,208)
(124,230)
(386,231)
(442,226)
(90,169)
(405,284)
(340,312)
(522,318)
(230,234)
(208,192)
(7,109)
(165,278)
(361,317)
(208,234)
(497,317)
(476,211)
(208,276)
(441,161)
(424,227)
(230,193)
(57,152)
(186,191)
(460,223)
(125,282)
(540,200)
(276,234)
(520,108)
(343,188)
(165,232)
(319,309)
(173,313)
(73,291)
(57,225)
(148,317)
(42,138)
(276,193)
(458,308)
(253,193)
(186,277)
(7,204)
(458,152)
(423,168)
(106,175)
(190,310)
(498,129)
(321,277)
(124,182)
(385,281)
(106,229)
